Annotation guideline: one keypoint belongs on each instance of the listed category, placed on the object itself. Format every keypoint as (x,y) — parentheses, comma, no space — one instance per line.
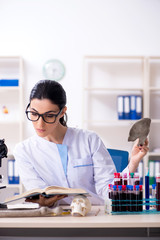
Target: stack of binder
(13,177)
(129,107)
(140,171)
(9,82)
(154,170)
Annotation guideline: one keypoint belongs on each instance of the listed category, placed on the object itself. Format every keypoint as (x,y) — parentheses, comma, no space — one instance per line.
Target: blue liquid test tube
(154,194)
(153,190)
(147,190)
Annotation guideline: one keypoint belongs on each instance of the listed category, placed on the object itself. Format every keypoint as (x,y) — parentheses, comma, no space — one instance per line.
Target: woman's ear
(63,111)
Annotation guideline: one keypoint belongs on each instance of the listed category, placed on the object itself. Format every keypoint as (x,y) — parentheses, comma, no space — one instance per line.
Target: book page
(24,195)
(21,206)
(62,190)
(51,190)
(56,188)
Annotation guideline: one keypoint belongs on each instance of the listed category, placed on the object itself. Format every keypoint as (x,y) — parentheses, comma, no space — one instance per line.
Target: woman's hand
(43,201)
(138,152)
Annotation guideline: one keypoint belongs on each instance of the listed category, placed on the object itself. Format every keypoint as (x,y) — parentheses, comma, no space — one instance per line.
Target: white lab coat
(89,164)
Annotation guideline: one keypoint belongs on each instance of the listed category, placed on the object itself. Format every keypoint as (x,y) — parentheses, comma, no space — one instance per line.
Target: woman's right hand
(43,201)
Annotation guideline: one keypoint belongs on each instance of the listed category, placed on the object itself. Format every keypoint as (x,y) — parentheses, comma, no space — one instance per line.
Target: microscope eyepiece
(3,150)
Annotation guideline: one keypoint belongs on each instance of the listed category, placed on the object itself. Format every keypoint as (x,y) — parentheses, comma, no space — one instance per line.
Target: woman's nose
(40,122)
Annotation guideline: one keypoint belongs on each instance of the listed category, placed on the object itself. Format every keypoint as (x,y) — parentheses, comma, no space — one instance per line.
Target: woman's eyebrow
(44,112)
(34,110)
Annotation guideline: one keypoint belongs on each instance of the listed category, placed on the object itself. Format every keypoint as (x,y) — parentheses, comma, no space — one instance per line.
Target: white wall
(39,30)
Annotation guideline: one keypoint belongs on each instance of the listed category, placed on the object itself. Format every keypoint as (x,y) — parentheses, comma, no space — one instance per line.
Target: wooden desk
(101,225)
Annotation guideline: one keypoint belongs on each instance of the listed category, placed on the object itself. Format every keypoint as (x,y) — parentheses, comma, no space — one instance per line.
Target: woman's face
(42,106)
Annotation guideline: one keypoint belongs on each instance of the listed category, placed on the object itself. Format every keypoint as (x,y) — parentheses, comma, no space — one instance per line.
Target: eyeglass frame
(41,115)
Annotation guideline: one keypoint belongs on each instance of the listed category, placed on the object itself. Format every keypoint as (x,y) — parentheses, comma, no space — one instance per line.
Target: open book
(47,192)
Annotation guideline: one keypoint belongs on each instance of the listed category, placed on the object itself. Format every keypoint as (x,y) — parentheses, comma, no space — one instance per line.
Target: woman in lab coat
(64,156)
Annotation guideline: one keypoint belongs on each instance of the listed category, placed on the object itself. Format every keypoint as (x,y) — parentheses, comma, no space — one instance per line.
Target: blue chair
(120,158)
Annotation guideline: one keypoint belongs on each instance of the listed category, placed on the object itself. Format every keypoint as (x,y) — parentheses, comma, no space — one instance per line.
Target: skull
(80,205)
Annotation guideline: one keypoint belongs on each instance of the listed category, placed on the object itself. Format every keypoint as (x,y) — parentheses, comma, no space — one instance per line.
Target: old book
(47,192)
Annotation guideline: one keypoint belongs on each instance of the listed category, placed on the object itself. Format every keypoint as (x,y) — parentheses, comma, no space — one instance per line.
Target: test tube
(124,198)
(120,178)
(116,178)
(153,190)
(147,188)
(127,198)
(154,194)
(114,199)
(158,191)
(110,191)
(131,198)
(136,179)
(119,196)
(131,179)
(140,198)
(137,195)
(125,180)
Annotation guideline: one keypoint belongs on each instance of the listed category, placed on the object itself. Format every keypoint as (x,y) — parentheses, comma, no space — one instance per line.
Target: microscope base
(4,206)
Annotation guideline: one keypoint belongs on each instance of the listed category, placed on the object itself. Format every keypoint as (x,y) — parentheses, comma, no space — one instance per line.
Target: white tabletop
(102,220)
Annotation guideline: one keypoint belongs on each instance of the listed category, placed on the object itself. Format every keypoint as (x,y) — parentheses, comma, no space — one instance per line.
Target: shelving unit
(106,77)
(154,103)
(11,123)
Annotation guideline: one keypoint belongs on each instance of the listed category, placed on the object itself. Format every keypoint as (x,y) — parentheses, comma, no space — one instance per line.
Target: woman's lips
(40,130)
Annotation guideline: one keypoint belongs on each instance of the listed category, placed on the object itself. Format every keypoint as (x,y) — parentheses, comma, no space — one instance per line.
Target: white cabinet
(11,100)
(106,77)
(154,109)
(154,101)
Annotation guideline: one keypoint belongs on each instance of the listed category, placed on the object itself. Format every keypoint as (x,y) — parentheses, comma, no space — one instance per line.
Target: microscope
(3,153)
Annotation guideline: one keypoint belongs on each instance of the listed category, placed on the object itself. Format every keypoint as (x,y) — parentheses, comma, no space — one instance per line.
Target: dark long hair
(52,90)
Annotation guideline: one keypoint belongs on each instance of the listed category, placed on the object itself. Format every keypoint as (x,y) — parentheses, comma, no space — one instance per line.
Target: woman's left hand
(138,152)
(43,201)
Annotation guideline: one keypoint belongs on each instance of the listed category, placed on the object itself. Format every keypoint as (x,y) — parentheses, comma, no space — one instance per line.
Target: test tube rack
(129,207)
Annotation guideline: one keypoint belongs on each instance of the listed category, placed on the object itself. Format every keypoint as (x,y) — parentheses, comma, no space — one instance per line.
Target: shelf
(10,57)
(154,57)
(154,153)
(154,88)
(110,122)
(155,121)
(5,122)
(11,124)
(113,89)
(16,88)
(107,77)
(104,59)
(12,185)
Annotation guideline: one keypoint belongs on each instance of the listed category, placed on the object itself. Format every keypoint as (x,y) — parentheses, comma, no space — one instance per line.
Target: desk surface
(102,220)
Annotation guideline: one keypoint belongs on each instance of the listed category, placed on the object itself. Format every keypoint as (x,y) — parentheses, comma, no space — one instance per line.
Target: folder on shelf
(10,171)
(157,167)
(120,107)
(16,175)
(152,179)
(138,107)
(13,177)
(140,170)
(129,107)
(133,114)
(126,107)
(9,82)
(135,107)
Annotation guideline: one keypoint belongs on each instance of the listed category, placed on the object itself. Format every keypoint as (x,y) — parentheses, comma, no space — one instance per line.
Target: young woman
(64,156)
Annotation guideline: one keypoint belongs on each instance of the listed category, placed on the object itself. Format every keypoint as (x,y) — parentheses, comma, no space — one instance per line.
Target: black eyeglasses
(48,117)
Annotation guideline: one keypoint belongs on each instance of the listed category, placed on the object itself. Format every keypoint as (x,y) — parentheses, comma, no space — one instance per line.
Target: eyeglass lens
(47,117)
